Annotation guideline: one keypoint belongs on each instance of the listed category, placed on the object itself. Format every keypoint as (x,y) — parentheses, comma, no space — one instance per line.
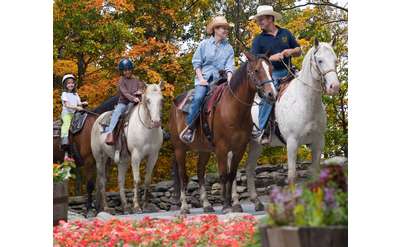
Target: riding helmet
(124,64)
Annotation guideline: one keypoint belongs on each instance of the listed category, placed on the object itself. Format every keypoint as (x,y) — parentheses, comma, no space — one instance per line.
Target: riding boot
(266,137)
(110,139)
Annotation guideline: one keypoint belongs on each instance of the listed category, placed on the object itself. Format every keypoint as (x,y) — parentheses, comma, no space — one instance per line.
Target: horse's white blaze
(266,69)
(229,160)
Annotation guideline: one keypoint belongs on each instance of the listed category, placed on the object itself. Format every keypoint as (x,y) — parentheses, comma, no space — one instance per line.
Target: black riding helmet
(124,64)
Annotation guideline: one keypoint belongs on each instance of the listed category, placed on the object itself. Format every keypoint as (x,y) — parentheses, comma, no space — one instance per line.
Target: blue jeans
(199,93)
(119,109)
(265,108)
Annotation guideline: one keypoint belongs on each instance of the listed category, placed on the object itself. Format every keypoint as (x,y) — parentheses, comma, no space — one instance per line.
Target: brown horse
(232,126)
(81,150)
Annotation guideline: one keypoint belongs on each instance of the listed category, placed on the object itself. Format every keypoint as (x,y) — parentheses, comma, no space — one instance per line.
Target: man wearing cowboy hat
(212,56)
(281,43)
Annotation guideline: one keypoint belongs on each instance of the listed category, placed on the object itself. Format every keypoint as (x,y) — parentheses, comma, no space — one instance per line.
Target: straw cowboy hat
(266,10)
(217,22)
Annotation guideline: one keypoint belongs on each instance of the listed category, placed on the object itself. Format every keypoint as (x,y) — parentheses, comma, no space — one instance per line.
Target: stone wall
(162,193)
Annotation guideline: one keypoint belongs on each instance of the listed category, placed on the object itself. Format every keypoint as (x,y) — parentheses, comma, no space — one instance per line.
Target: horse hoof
(226,210)
(137,210)
(185,211)
(237,208)
(208,209)
(259,206)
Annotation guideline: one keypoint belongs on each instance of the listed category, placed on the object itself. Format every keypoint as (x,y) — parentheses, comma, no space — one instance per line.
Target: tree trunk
(81,67)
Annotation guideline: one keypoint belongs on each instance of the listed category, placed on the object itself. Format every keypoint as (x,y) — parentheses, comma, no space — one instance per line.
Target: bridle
(147,113)
(251,75)
(322,74)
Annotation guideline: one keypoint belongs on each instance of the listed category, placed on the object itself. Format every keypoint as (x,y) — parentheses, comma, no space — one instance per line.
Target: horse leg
(222,157)
(292,146)
(180,156)
(101,202)
(234,160)
(316,150)
(255,150)
(151,162)
(135,162)
(201,167)
(90,171)
(122,167)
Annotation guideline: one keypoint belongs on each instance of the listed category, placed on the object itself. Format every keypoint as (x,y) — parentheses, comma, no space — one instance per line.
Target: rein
(251,76)
(140,118)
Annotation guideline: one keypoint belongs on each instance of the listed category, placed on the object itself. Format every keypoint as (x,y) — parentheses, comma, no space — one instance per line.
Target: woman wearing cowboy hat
(212,55)
(281,43)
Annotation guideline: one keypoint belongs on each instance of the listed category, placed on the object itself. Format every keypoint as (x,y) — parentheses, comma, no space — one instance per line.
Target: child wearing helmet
(130,89)
(70,103)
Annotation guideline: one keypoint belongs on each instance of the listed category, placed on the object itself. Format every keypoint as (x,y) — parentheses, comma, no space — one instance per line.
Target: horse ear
(249,56)
(333,42)
(268,53)
(161,84)
(316,42)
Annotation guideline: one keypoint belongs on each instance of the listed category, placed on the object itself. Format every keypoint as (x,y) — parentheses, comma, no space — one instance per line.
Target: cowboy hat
(217,22)
(266,10)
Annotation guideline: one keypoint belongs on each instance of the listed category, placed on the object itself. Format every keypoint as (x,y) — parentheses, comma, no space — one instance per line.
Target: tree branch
(317,4)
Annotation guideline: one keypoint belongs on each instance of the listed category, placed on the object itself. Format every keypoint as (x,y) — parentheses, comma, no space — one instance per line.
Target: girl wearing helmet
(70,103)
(130,89)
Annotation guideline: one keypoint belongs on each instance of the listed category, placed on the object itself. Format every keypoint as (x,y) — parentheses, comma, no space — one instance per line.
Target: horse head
(259,69)
(152,100)
(324,61)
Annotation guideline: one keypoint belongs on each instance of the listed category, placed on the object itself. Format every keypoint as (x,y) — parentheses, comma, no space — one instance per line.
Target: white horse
(144,139)
(300,114)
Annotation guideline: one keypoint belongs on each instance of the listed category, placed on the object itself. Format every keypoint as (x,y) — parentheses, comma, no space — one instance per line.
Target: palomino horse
(300,113)
(81,150)
(144,138)
(231,129)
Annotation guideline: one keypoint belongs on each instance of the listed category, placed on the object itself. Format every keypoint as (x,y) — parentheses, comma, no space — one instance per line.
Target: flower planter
(60,201)
(288,236)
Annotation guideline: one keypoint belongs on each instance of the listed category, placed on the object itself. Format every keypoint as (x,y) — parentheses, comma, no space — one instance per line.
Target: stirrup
(183,132)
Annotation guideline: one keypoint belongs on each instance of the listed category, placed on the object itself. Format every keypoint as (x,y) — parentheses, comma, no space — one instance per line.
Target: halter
(148,114)
(321,73)
(259,85)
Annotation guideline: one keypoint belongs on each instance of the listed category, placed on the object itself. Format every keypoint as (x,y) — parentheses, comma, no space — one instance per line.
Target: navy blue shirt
(284,39)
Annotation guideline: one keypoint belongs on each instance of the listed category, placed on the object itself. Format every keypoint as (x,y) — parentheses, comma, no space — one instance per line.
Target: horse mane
(107,105)
(239,76)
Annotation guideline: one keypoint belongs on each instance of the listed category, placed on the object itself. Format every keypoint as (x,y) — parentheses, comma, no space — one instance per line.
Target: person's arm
(197,61)
(294,50)
(125,92)
(67,105)
(230,64)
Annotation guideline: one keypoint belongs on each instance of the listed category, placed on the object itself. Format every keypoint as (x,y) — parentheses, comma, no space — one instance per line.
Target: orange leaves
(61,67)
(168,90)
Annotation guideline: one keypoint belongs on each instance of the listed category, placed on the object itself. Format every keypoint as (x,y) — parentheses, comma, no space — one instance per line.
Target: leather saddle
(211,100)
(285,81)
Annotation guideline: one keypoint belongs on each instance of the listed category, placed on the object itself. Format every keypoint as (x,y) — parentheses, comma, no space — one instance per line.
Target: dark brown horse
(81,149)
(231,125)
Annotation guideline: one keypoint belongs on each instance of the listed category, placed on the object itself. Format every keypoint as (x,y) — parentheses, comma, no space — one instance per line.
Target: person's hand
(138,92)
(79,108)
(136,100)
(203,82)
(276,57)
(287,52)
(84,103)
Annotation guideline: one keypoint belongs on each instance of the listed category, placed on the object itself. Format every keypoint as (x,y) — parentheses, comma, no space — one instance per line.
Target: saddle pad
(77,122)
(105,121)
(184,100)
(57,128)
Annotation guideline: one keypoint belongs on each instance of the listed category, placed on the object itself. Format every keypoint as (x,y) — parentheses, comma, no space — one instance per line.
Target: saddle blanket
(77,122)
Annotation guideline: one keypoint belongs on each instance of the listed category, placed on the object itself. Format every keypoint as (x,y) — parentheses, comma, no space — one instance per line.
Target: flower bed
(204,230)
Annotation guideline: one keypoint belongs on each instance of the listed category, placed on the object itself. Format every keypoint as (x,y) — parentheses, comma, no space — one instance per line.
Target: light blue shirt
(211,58)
